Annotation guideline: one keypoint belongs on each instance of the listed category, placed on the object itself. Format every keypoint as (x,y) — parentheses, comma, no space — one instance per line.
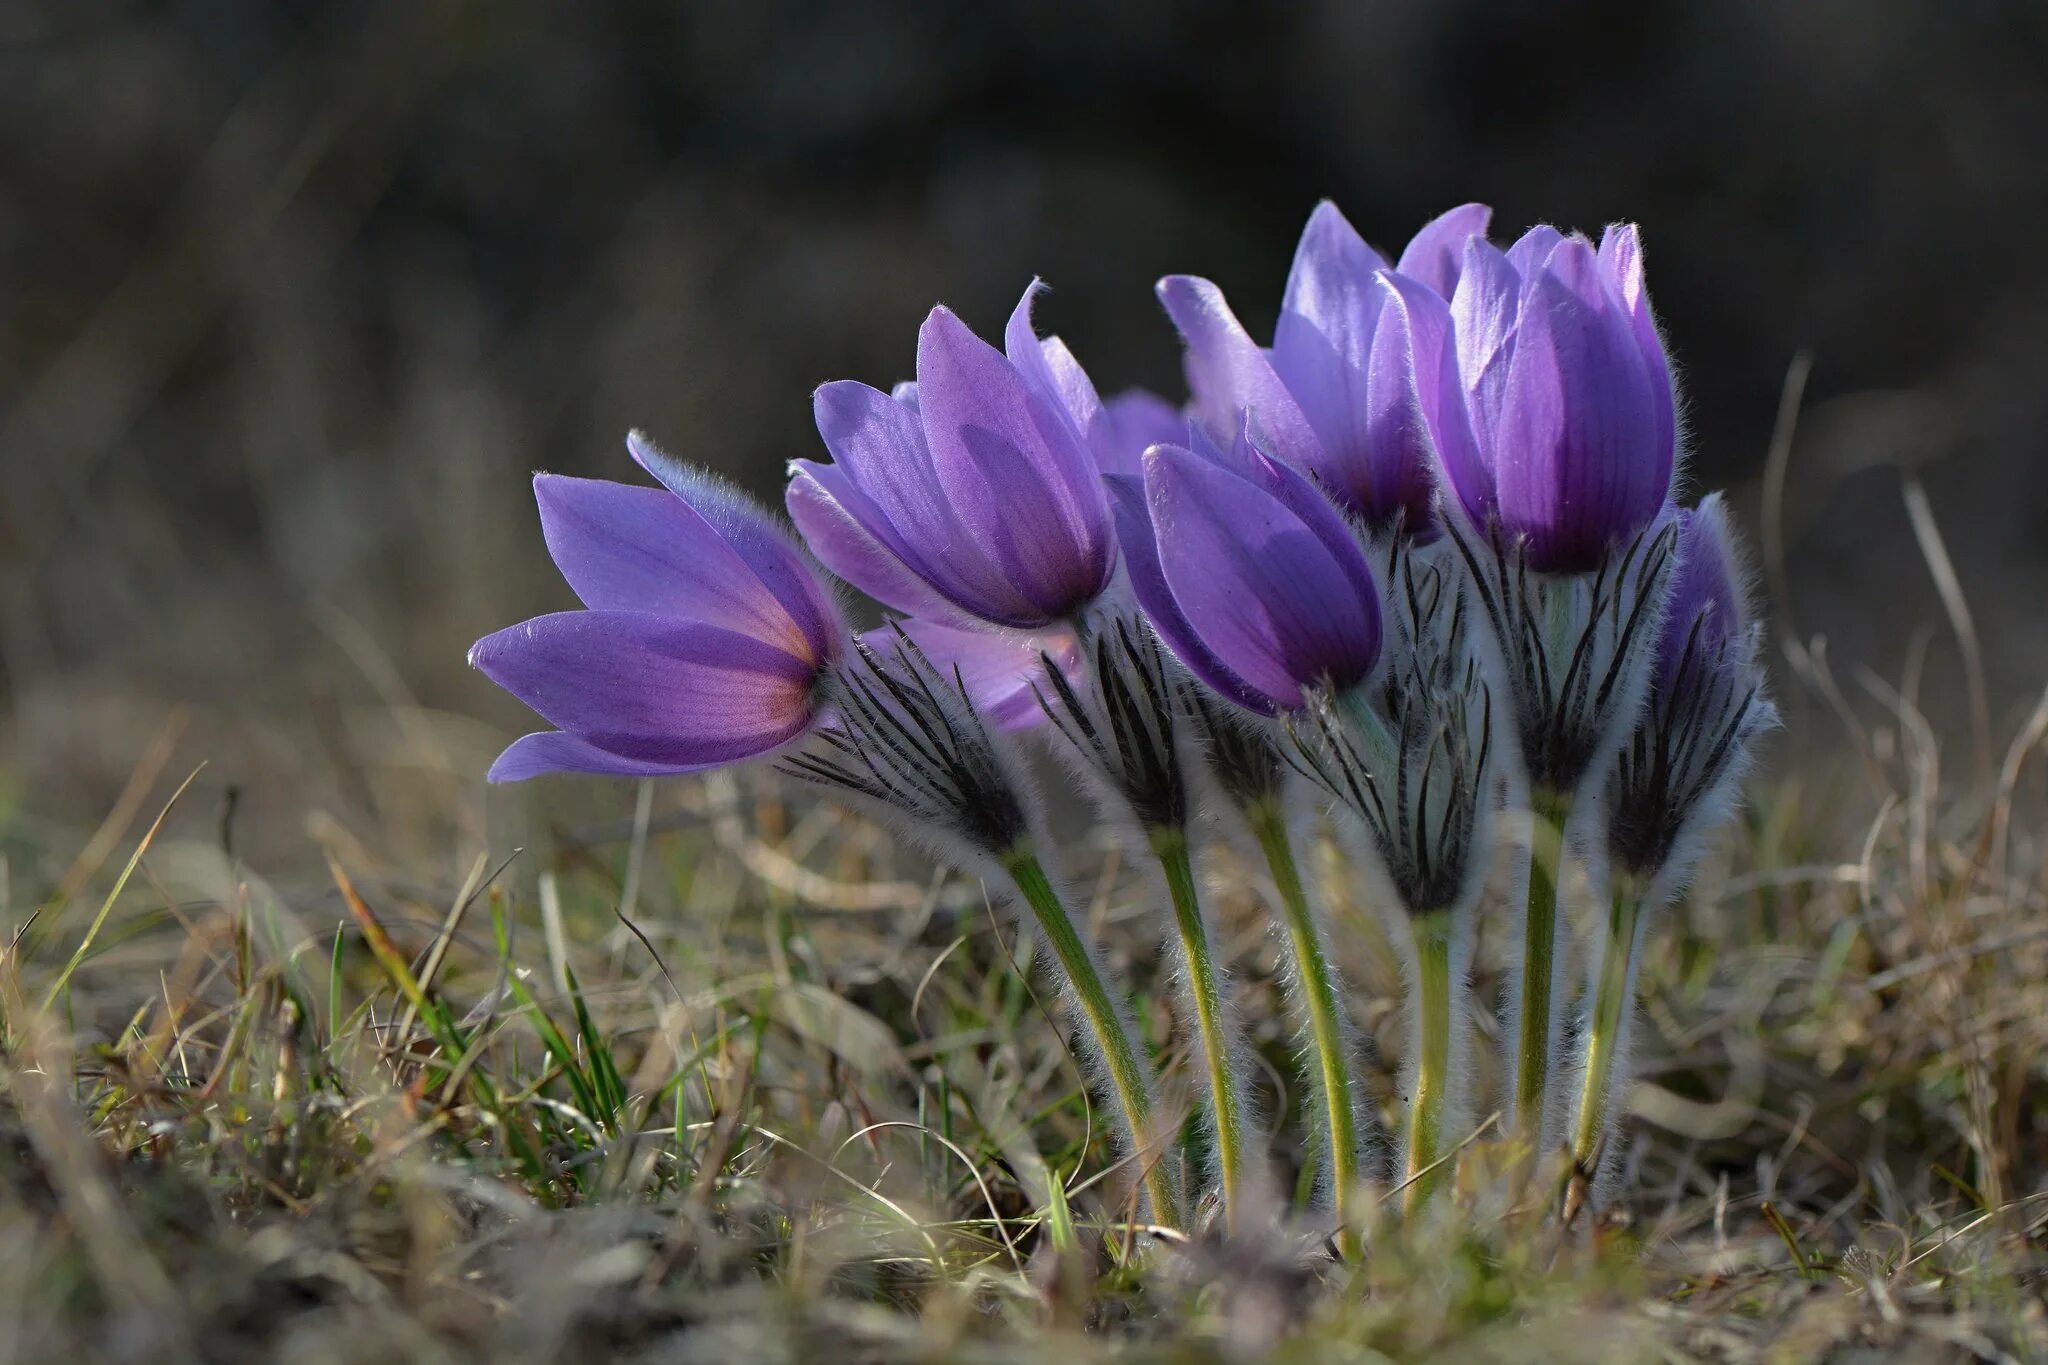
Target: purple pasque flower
(705,639)
(976,494)
(1334,395)
(1545,391)
(1676,775)
(1248,574)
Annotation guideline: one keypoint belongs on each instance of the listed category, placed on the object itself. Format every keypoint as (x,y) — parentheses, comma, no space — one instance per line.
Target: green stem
(1433,1065)
(1128,1079)
(1319,1001)
(1549,812)
(1170,843)
(1610,1005)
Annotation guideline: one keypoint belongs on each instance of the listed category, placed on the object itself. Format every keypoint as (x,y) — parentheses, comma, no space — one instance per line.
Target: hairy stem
(1129,1081)
(1549,812)
(1610,1005)
(1170,843)
(1433,1010)
(1330,1076)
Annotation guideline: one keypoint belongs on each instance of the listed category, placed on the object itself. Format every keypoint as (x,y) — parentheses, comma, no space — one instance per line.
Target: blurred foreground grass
(719,1073)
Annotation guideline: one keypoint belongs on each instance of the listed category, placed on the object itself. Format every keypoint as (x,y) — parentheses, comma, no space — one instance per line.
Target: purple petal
(1148,583)
(644,549)
(1421,321)
(888,485)
(1261,589)
(1705,608)
(1486,320)
(751,534)
(1016,473)
(1534,247)
(653,689)
(552,751)
(1130,423)
(1579,465)
(1322,349)
(1435,254)
(1621,256)
(820,500)
(1230,373)
(1048,366)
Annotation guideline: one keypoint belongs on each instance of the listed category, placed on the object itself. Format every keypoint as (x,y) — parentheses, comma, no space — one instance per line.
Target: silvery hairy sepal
(903,740)
(1410,753)
(1675,779)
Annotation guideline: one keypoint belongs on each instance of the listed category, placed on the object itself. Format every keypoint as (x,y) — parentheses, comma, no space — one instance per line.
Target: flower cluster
(1416,565)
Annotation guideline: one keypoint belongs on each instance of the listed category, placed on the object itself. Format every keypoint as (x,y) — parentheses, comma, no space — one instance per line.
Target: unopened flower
(975,495)
(1251,577)
(1673,782)
(1333,394)
(707,637)
(1707,705)
(1554,421)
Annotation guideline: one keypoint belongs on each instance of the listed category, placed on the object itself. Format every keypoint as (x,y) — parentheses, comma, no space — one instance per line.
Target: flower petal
(1229,372)
(1014,470)
(1420,320)
(1322,350)
(1579,465)
(1621,256)
(1486,320)
(653,689)
(889,486)
(750,533)
(1434,254)
(1263,591)
(553,751)
(822,502)
(1130,423)
(1148,583)
(643,549)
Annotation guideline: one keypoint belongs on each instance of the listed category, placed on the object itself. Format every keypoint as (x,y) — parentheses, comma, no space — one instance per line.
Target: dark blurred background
(293,296)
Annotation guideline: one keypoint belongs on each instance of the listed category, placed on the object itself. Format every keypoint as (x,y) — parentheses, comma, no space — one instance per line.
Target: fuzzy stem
(1549,813)
(1433,1066)
(1128,1079)
(1332,1077)
(1170,843)
(1610,1006)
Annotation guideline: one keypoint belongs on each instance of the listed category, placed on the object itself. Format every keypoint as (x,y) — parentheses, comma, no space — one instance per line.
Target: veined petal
(554,751)
(1261,589)
(1578,467)
(821,501)
(643,549)
(1486,319)
(1621,257)
(1229,372)
(1148,583)
(1421,320)
(1129,424)
(653,689)
(887,483)
(1048,366)
(752,536)
(1436,253)
(1533,248)
(1322,351)
(1014,470)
